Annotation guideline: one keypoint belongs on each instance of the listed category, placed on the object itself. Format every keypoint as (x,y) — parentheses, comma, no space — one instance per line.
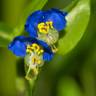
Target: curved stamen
(54,48)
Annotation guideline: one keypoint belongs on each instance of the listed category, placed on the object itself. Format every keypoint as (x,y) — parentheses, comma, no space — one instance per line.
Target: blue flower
(21,46)
(43,21)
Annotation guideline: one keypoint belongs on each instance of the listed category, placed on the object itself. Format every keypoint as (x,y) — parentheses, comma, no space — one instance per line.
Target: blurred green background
(70,75)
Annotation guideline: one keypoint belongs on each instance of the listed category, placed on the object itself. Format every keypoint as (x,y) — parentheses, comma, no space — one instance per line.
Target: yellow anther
(34,44)
(54,49)
(50,24)
(34,59)
(28,51)
(44,27)
(36,47)
(41,50)
(39,61)
(41,24)
(39,53)
(32,48)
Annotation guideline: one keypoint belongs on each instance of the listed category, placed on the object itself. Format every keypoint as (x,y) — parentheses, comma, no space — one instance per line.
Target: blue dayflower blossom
(43,28)
(56,17)
(34,51)
(19,46)
(45,25)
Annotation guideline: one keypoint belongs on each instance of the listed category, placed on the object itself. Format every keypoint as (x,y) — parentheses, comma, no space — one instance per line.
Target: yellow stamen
(28,51)
(39,61)
(36,60)
(44,27)
(34,47)
(50,24)
(34,70)
(54,49)
(41,51)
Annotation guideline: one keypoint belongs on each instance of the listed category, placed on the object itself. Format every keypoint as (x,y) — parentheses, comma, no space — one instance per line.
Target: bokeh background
(73,74)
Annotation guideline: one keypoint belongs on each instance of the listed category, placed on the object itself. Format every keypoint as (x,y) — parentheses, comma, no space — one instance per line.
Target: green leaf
(33,6)
(77,21)
(5,35)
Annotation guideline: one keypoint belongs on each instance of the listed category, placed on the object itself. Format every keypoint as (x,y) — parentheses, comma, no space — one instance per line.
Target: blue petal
(58,11)
(31,30)
(44,44)
(47,56)
(32,22)
(58,18)
(18,47)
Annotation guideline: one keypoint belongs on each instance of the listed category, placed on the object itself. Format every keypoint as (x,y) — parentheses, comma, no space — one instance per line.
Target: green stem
(30,86)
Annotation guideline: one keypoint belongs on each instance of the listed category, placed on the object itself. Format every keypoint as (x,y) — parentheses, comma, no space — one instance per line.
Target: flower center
(44,27)
(33,60)
(36,60)
(34,48)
